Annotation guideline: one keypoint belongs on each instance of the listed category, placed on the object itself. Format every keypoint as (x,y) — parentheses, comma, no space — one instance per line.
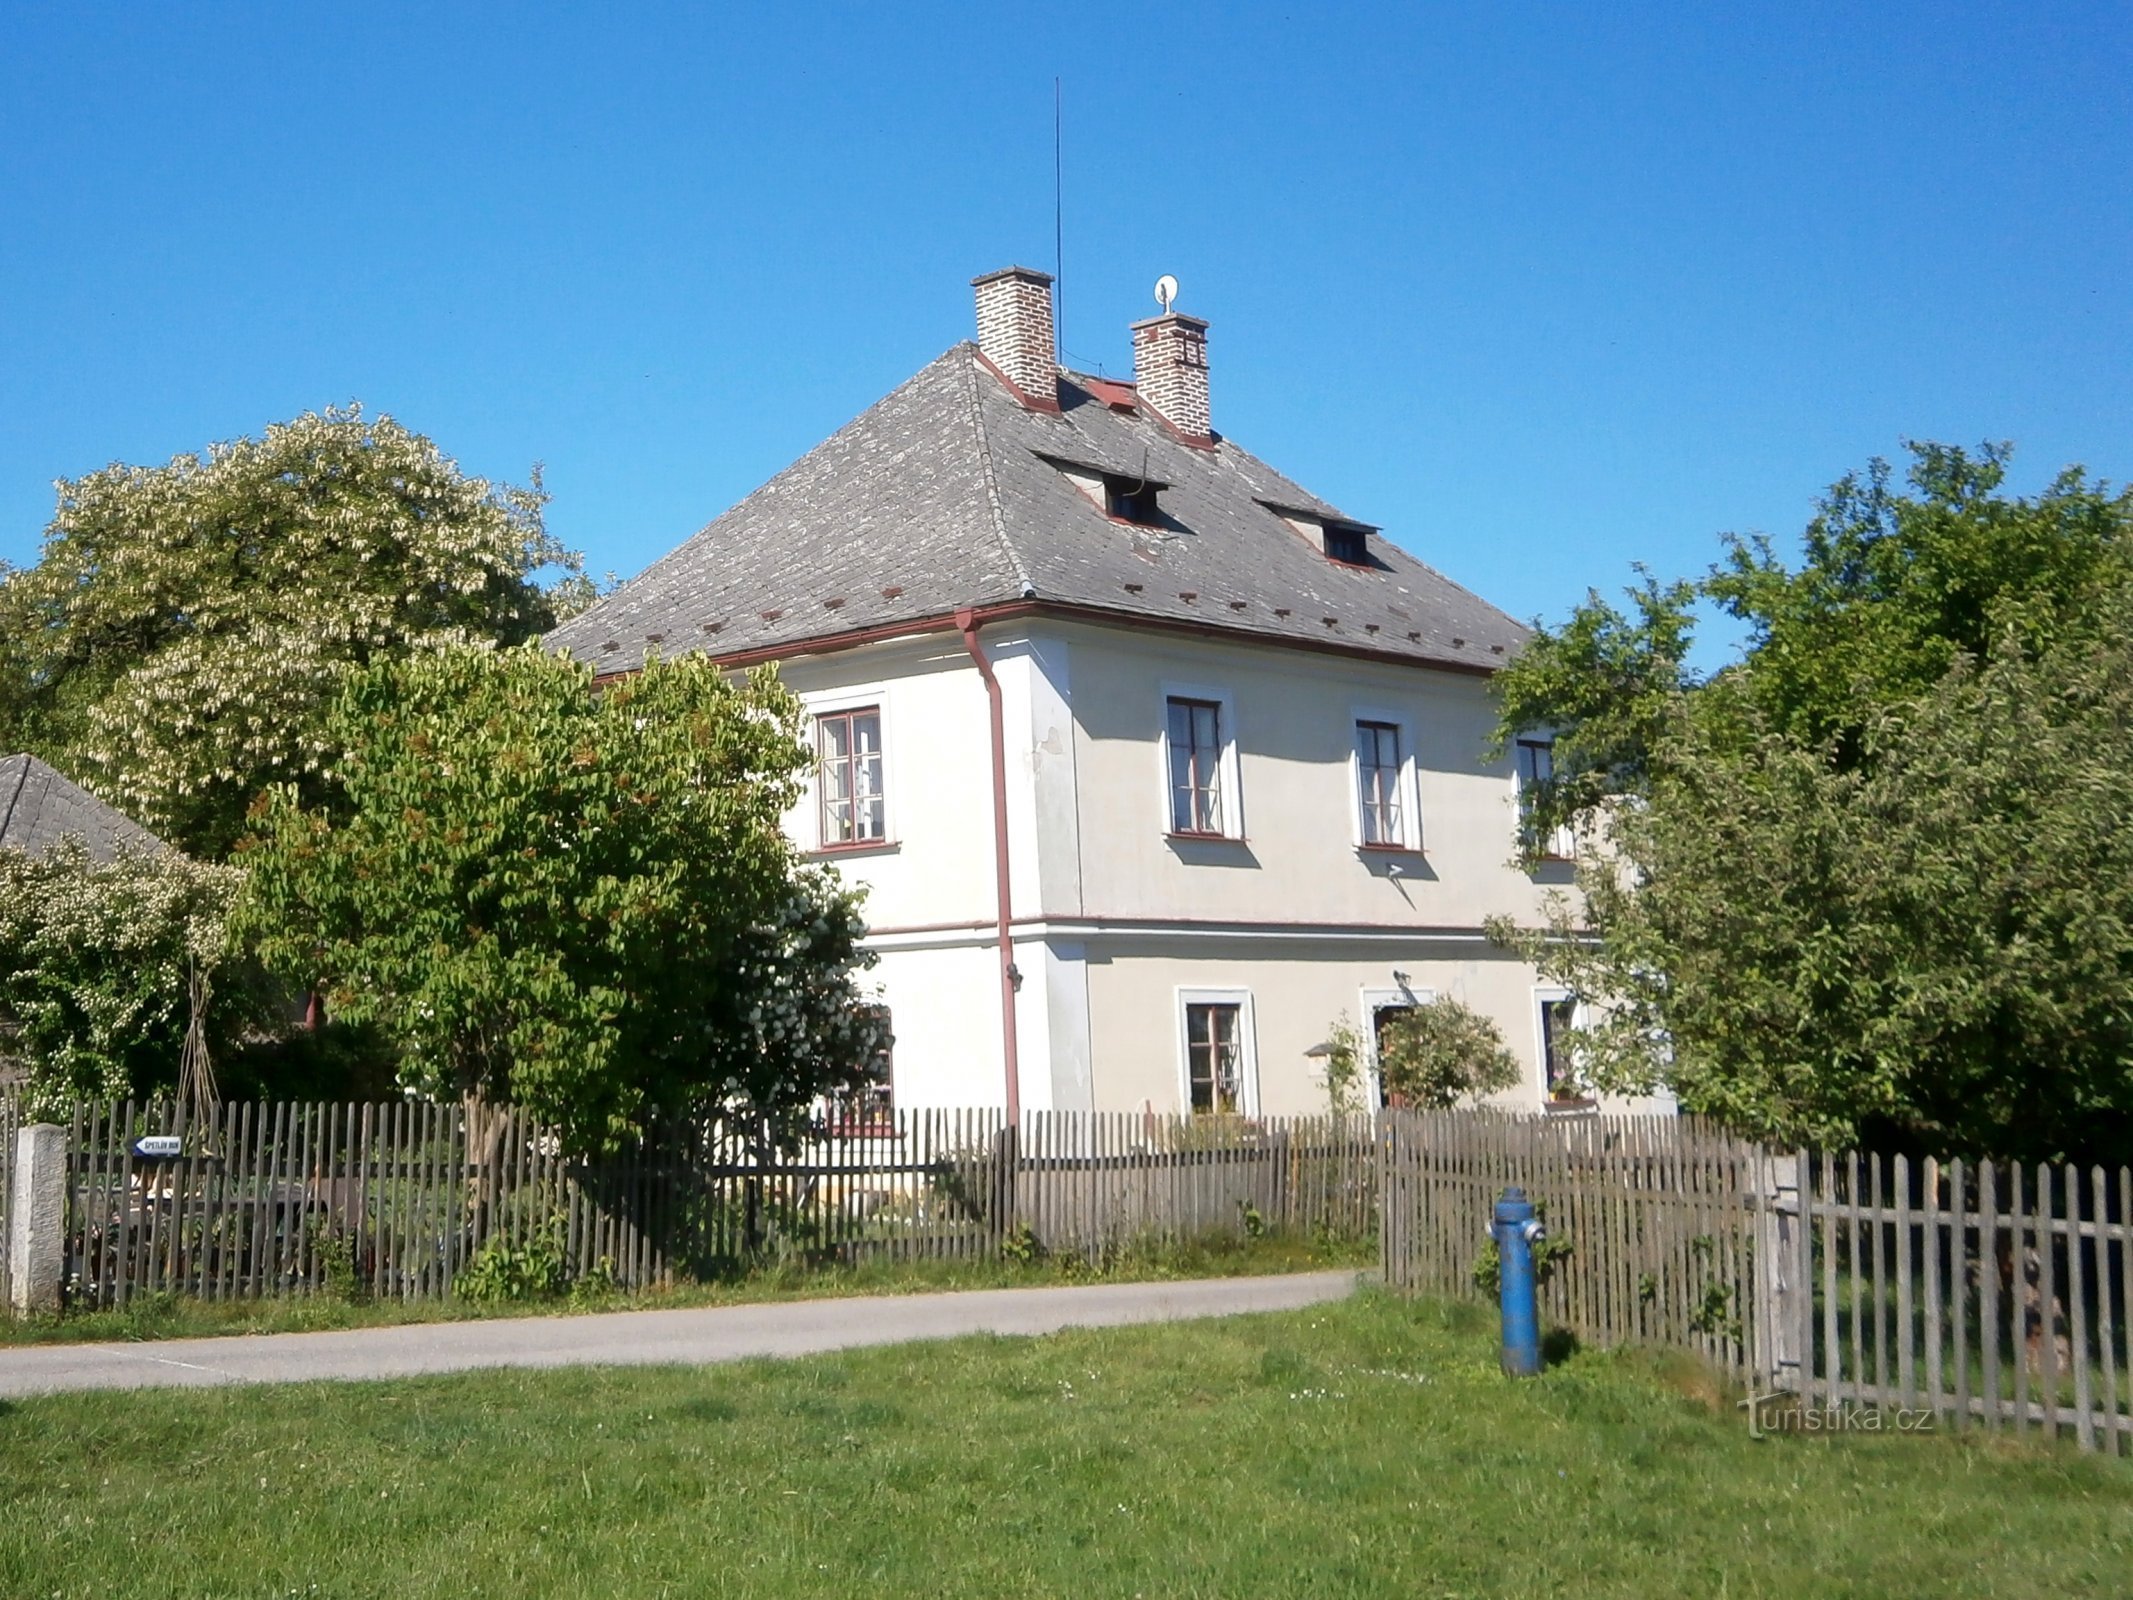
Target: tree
(96,969)
(1871,879)
(581,903)
(178,642)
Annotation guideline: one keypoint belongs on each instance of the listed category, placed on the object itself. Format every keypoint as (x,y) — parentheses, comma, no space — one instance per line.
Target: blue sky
(1545,291)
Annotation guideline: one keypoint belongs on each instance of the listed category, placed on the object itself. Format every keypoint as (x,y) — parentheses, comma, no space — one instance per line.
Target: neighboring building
(39,807)
(1154,763)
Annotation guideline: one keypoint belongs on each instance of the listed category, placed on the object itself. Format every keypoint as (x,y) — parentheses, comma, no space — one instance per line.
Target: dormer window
(1347,544)
(1122,496)
(1132,500)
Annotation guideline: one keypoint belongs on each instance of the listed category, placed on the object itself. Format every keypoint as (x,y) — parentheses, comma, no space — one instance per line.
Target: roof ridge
(992,482)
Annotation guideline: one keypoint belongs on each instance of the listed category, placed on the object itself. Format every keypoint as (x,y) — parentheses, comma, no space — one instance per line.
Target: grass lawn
(165,1316)
(1368,1448)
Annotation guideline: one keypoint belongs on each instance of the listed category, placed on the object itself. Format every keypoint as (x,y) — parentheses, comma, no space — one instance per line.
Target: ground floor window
(1558,1019)
(1214,1056)
(1382,1017)
(868,1105)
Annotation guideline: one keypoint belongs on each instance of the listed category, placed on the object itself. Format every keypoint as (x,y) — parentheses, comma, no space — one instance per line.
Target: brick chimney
(1170,371)
(1015,331)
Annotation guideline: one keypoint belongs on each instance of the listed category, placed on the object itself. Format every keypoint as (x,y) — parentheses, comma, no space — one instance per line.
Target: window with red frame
(1377,773)
(848,748)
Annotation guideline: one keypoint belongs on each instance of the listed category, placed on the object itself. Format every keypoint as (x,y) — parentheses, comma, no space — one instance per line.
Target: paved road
(629,1338)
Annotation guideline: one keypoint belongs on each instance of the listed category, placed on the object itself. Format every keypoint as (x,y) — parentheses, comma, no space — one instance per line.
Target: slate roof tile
(946,494)
(39,807)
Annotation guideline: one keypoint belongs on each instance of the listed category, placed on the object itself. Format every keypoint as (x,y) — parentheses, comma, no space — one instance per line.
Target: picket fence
(1658,1212)
(1979,1293)
(399,1199)
(1984,1293)
(1972,1293)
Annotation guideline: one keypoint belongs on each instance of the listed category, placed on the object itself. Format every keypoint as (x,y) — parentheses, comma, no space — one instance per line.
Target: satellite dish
(1166,291)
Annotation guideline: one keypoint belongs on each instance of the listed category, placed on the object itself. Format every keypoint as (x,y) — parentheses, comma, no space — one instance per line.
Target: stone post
(37,1219)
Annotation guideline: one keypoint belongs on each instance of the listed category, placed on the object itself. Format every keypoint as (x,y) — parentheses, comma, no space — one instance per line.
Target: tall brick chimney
(1015,331)
(1170,371)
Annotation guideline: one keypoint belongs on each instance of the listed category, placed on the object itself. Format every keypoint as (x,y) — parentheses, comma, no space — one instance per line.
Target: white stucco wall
(1113,918)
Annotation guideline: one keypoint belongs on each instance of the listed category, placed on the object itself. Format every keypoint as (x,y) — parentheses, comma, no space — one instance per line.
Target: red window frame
(839,781)
(1195,767)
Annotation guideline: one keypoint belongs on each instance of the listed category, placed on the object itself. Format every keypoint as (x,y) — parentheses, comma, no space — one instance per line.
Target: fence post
(1779,1229)
(37,1218)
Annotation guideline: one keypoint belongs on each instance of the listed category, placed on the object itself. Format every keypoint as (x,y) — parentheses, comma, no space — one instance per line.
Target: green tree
(581,903)
(1871,878)
(96,969)
(177,644)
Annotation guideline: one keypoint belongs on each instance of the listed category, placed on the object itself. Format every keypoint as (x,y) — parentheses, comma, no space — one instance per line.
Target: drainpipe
(968,622)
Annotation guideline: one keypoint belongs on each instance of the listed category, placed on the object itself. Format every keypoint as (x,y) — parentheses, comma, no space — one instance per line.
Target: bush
(1433,1056)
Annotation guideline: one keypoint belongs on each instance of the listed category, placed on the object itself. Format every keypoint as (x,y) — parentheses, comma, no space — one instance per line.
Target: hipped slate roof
(948,494)
(38,808)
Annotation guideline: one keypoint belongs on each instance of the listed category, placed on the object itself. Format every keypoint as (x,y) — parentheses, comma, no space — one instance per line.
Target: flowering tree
(178,642)
(96,969)
(584,904)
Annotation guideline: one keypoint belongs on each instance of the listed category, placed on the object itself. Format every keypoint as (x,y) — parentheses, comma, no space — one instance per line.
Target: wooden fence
(1985,1293)
(399,1199)
(1660,1213)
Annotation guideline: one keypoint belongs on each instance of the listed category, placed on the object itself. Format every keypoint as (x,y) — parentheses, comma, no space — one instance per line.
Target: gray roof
(39,807)
(948,493)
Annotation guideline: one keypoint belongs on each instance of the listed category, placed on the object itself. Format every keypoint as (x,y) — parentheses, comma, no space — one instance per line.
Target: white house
(1154,764)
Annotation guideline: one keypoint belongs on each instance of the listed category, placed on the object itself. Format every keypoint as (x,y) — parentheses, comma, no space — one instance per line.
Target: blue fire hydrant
(1517,1230)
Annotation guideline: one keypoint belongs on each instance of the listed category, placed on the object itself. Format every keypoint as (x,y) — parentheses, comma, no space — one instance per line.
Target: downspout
(968,622)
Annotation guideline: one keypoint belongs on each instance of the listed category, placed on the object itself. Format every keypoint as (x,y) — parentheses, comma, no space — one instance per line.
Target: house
(39,807)
(1154,763)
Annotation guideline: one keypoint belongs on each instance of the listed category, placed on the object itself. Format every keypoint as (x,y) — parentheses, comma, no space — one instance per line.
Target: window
(1536,770)
(1381,1017)
(1558,1017)
(848,746)
(1347,544)
(1195,766)
(1377,776)
(1214,1056)
(1133,500)
(866,1106)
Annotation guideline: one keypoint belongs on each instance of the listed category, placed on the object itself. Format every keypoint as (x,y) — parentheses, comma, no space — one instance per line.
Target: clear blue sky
(1544,291)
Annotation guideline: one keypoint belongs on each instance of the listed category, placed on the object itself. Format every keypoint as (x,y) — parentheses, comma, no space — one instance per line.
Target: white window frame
(828,702)
(1408,782)
(1247,1046)
(1226,763)
(1544,996)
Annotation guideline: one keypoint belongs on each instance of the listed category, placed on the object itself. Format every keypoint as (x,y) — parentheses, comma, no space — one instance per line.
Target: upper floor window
(853,807)
(1536,771)
(1383,819)
(1196,799)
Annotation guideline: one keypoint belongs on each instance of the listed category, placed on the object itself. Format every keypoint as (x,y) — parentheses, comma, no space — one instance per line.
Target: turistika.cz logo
(1784,1413)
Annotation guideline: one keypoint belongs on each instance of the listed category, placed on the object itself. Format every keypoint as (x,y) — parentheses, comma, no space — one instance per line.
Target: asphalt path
(637,1338)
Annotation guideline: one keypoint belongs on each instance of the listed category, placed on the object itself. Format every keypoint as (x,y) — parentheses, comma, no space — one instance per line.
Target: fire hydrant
(1516,1231)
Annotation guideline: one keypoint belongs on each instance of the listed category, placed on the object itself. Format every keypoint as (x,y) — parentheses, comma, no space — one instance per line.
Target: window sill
(1583,1105)
(859,847)
(1391,850)
(1205,838)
